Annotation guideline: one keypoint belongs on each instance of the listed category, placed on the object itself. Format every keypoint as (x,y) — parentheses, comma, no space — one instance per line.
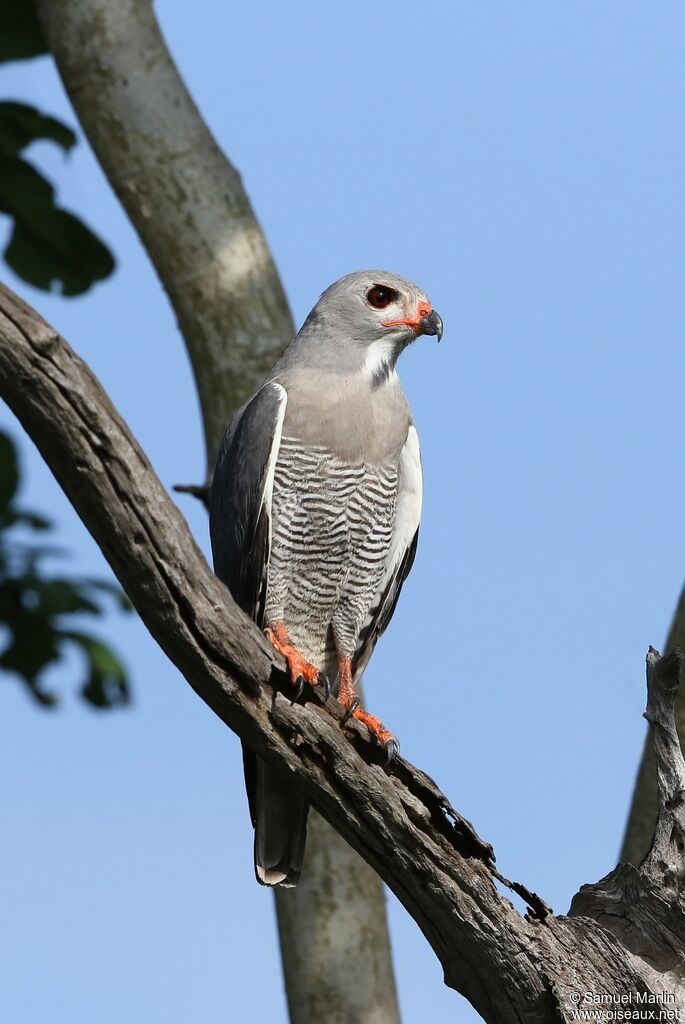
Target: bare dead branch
(511,967)
(644,804)
(665,863)
(199,491)
(645,907)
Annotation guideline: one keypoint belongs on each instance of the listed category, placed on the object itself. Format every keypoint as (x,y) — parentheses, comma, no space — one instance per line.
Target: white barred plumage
(332,526)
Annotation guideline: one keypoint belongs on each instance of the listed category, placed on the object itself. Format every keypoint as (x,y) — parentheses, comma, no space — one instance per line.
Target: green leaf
(9,474)
(31,554)
(45,698)
(21,124)
(34,645)
(48,246)
(24,193)
(21,35)
(32,608)
(34,520)
(61,597)
(58,250)
(102,658)
(107,684)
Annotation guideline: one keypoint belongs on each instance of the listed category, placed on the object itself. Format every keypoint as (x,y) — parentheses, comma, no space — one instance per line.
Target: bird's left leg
(348,698)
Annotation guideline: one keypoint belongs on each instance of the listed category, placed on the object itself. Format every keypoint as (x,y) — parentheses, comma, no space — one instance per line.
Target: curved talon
(326,683)
(300,670)
(392,748)
(350,711)
(299,683)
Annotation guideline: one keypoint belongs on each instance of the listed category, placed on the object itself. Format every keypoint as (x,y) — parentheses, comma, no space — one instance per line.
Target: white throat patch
(379,364)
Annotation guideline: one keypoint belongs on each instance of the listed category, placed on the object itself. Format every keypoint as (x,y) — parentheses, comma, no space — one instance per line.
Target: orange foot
(301,671)
(349,700)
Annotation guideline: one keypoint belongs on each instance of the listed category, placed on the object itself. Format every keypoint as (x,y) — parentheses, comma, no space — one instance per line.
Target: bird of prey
(314,515)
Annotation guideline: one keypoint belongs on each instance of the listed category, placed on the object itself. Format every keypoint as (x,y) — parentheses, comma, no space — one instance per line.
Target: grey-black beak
(431,324)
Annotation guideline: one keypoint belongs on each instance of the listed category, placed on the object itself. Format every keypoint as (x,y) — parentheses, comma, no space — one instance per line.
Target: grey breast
(332,522)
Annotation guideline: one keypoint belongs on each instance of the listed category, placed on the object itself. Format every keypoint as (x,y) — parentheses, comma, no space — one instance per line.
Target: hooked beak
(431,324)
(427,321)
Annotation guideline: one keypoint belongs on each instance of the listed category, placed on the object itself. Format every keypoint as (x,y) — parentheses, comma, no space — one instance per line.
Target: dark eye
(380,297)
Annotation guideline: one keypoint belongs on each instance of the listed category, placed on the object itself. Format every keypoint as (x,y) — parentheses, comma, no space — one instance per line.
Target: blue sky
(525,164)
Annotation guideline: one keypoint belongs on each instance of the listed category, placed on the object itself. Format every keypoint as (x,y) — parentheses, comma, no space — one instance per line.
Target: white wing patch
(275,447)
(268,493)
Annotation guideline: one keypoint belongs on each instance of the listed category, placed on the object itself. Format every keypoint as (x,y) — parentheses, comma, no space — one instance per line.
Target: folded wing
(401,553)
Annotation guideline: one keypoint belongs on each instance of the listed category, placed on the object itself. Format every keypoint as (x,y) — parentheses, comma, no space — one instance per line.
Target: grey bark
(336,900)
(623,937)
(643,808)
(193,216)
(182,195)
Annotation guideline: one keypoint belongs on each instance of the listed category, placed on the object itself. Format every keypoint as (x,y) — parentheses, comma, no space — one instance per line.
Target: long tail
(279,818)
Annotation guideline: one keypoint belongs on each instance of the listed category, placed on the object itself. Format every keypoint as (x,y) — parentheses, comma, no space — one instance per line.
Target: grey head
(363,322)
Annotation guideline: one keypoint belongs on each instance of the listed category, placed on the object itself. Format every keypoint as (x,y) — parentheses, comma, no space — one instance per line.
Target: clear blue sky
(525,164)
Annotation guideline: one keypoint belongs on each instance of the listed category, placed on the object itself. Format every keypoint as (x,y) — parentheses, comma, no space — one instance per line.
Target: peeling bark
(623,938)
(644,907)
(643,808)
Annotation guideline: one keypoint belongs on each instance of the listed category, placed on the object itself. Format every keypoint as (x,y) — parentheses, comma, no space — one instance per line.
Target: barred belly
(331,527)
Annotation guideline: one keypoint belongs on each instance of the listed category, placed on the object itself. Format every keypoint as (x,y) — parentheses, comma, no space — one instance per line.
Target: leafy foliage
(35,610)
(49,247)
(20,33)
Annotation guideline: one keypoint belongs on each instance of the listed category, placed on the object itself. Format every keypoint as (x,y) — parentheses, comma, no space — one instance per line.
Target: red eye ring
(380,296)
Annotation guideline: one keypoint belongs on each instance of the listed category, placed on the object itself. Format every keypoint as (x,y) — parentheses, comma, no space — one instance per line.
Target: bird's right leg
(301,671)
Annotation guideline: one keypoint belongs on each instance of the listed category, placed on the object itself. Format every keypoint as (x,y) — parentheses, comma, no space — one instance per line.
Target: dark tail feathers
(279,817)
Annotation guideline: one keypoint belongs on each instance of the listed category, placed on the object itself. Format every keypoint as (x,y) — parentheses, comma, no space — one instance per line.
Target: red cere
(423,310)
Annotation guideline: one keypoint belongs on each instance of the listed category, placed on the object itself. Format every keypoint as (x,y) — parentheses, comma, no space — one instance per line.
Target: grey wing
(240,498)
(240,528)
(401,553)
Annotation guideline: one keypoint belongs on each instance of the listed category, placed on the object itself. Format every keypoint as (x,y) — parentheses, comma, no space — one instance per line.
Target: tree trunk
(189,207)
(337,901)
(623,941)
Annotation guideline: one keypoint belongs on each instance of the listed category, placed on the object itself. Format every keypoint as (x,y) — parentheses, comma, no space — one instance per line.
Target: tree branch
(190,613)
(507,965)
(645,908)
(643,808)
(664,863)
